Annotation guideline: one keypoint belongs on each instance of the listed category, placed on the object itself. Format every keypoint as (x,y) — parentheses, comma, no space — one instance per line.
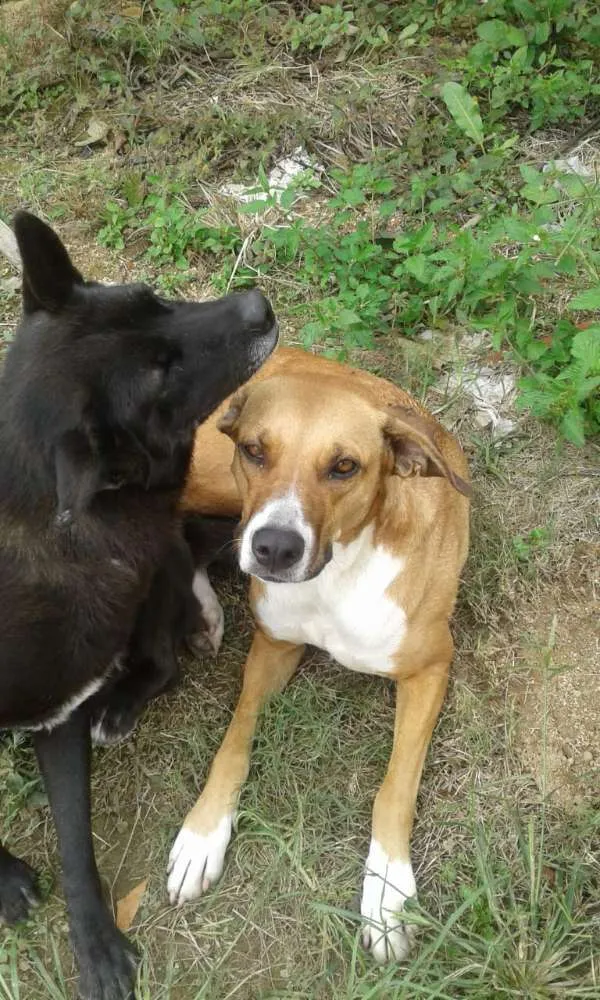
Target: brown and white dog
(354,529)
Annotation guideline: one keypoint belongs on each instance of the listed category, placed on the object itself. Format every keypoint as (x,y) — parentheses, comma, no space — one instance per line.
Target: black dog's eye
(344,468)
(253,452)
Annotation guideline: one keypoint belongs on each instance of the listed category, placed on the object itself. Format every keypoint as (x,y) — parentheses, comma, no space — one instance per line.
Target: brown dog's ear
(78,474)
(411,437)
(227,424)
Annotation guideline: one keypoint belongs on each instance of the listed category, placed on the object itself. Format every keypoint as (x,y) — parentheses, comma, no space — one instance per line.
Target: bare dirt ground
(559,705)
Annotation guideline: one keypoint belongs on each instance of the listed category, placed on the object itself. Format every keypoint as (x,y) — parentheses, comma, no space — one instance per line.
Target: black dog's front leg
(105,959)
(172,615)
(164,619)
(18,890)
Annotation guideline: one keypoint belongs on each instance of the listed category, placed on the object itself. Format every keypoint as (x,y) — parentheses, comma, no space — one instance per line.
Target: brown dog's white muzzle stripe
(277,543)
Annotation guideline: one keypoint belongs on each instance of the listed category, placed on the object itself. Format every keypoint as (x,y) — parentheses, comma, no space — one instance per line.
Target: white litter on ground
(278,180)
(492,394)
(571,165)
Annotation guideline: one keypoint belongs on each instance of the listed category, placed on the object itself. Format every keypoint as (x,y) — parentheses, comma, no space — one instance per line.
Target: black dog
(102,389)
(168,621)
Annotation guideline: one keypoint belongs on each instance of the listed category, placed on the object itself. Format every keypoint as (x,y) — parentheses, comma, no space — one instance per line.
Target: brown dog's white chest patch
(345,610)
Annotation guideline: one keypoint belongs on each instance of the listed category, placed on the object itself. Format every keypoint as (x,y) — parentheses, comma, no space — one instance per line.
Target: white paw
(196,861)
(212,614)
(386,887)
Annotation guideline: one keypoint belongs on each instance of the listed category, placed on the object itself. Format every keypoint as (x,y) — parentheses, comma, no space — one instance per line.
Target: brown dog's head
(310,462)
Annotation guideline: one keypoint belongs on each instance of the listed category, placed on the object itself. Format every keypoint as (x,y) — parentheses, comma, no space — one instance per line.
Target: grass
(121,123)
(509,887)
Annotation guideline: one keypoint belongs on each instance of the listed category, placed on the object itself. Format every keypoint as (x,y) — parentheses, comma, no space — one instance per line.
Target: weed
(520,54)
(491,276)
(528,545)
(323,29)
(365,280)
(172,229)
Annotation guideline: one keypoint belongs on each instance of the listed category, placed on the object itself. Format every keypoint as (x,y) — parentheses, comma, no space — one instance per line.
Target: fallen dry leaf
(119,141)
(129,905)
(97,132)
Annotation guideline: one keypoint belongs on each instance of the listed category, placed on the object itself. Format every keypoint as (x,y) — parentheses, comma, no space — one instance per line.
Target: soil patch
(559,717)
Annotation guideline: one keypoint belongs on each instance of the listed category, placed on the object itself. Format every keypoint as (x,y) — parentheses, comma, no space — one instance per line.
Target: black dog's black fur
(102,389)
(169,619)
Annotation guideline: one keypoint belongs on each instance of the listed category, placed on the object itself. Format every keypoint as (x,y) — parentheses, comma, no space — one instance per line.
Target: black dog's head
(108,382)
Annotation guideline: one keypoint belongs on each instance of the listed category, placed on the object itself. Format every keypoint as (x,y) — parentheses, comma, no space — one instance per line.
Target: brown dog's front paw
(387,885)
(196,861)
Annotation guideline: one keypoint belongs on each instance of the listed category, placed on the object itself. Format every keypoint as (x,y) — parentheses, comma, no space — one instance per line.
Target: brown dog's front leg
(389,879)
(196,860)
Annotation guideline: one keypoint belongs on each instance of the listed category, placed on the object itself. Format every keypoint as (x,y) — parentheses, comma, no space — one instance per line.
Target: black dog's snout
(277,549)
(256,310)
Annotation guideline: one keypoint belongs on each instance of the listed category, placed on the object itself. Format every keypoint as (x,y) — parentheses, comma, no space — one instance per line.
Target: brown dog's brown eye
(253,452)
(344,468)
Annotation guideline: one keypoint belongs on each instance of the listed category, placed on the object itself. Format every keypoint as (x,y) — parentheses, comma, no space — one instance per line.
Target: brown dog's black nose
(277,548)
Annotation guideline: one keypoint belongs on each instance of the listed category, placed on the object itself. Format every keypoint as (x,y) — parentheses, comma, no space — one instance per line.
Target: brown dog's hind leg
(197,856)
(389,879)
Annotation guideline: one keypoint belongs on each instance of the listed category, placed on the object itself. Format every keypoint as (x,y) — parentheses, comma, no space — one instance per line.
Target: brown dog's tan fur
(300,411)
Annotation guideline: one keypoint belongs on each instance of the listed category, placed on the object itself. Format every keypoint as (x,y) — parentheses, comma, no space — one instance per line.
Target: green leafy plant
(172,229)
(366,283)
(473,236)
(537,540)
(520,59)
(567,392)
(349,26)
(465,111)
(323,28)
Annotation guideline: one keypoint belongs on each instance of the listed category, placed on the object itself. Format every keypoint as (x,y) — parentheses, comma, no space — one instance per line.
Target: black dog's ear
(78,474)
(48,274)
